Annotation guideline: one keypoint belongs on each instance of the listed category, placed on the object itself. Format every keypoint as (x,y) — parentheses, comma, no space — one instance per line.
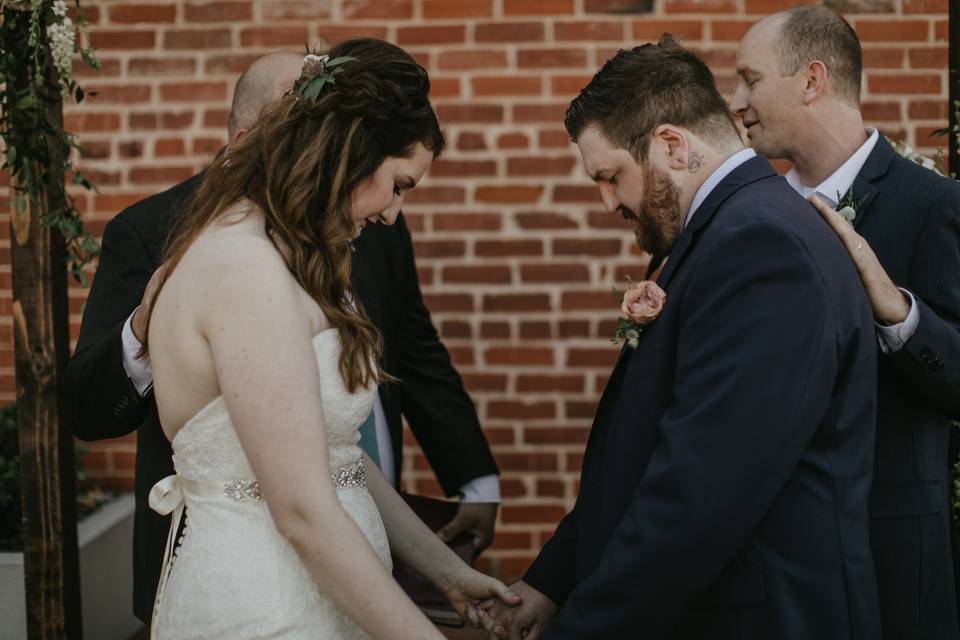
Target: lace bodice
(233,575)
(207,447)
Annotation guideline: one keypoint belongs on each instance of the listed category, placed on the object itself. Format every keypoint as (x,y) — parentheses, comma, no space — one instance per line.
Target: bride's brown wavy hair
(300,164)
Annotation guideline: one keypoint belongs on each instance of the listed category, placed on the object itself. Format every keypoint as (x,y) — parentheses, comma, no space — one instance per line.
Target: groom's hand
(525,621)
(476,519)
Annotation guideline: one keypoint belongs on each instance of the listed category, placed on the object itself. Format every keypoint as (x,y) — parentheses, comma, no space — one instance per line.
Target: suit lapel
(874,169)
(754,169)
(750,171)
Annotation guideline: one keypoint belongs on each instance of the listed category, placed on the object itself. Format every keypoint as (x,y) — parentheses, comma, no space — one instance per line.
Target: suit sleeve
(756,360)
(98,399)
(433,399)
(930,360)
(554,572)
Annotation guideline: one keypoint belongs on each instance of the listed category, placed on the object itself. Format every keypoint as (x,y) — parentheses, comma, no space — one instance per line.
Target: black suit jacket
(911,218)
(101,402)
(724,488)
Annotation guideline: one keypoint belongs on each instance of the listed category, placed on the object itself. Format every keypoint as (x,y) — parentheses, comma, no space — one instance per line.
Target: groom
(724,488)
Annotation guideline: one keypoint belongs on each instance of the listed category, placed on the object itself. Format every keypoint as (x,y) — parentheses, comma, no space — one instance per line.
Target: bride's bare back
(230,267)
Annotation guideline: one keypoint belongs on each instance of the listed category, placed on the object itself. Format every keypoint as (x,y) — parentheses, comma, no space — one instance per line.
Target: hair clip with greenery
(322,69)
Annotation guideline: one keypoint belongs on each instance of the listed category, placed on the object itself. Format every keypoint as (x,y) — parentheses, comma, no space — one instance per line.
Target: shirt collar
(716,177)
(840,181)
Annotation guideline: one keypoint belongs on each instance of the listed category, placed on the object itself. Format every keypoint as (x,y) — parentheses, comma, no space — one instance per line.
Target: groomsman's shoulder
(913,198)
(921,185)
(151,217)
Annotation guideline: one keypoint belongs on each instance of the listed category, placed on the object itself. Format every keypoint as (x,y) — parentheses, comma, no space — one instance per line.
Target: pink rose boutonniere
(640,304)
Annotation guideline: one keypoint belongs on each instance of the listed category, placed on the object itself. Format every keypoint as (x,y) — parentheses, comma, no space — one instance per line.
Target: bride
(265,365)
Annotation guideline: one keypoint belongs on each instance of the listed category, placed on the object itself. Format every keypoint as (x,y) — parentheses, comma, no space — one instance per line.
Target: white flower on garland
(61,36)
(909,153)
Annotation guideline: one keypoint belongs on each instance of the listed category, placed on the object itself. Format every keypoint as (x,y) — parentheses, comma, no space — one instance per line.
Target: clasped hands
(524,619)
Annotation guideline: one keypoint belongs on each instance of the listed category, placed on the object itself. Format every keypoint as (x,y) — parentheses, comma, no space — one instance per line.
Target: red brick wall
(516,255)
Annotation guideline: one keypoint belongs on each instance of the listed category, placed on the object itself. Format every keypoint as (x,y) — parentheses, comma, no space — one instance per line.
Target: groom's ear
(673,144)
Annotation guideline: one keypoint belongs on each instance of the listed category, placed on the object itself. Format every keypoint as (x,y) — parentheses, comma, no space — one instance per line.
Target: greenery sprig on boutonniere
(848,206)
(640,304)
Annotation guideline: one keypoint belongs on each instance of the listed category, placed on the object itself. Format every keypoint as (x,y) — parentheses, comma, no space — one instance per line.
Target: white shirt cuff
(138,369)
(893,337)
(482,489)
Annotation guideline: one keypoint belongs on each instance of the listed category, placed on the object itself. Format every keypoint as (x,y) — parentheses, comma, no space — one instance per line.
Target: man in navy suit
(724,488)
(799,97)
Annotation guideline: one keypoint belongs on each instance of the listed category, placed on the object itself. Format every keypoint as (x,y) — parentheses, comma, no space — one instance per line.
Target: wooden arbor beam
(41,335)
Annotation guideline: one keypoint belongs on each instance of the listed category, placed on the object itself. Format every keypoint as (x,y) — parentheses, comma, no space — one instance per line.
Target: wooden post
(953,80)
(47,475)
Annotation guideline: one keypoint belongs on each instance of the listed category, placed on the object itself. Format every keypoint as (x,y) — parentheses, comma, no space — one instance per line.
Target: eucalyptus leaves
(37,45)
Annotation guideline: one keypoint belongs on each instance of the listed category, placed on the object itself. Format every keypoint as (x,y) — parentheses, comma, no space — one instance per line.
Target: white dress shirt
(482,489)
(892,337)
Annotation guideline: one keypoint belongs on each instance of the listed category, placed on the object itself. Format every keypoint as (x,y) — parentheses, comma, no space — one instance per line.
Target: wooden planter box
(106,577)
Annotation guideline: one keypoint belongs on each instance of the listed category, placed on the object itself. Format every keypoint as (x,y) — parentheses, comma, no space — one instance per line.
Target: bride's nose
(390,215)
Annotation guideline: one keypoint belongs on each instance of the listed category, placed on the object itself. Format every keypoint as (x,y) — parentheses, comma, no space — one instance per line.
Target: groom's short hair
(638,90)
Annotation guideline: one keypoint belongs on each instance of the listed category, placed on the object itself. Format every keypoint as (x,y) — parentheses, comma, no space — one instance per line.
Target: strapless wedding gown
(233,575)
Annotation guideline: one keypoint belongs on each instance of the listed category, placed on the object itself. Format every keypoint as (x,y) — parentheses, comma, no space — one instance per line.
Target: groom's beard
(657,222)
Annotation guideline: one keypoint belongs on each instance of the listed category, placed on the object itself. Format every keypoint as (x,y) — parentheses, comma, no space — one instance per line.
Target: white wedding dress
(233,575)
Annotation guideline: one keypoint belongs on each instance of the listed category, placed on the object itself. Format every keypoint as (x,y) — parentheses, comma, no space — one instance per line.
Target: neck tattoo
(694,162)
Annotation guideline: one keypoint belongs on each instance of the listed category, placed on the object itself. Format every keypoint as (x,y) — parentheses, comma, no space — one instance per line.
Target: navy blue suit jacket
(724,488)
(911,218)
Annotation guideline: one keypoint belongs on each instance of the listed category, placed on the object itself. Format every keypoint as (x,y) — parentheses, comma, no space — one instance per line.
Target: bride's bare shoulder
(235,251)
(235,238)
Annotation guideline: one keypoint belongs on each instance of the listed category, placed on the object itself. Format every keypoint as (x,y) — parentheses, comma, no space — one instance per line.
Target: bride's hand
(468,587)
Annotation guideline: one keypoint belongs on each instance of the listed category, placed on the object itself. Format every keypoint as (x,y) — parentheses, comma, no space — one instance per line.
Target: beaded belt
(167,496)
(350,475)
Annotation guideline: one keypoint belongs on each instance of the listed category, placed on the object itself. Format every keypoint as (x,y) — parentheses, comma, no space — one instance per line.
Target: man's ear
(815,81)
(239,133)
(673,144)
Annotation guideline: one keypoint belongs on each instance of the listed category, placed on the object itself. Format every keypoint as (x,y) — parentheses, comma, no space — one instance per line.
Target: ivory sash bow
(166,497)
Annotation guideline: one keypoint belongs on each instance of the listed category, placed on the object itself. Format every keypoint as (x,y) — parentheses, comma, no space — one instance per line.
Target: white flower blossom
(848,213)
(312,57)
(60,8)
(60,36)
(909,153)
